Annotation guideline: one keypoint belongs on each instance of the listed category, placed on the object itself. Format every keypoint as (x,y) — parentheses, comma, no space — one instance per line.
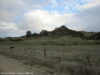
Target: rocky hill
(62,31)
(58,32)
(95,36)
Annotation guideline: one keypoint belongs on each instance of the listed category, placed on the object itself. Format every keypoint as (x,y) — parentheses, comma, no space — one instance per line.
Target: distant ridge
(58,32)
(95,36)
(62,31)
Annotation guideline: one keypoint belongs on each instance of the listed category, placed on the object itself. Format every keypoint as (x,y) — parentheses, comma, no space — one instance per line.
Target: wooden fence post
(88,60)
(45,53)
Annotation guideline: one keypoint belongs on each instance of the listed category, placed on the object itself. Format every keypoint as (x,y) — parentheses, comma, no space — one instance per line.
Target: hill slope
(61,31)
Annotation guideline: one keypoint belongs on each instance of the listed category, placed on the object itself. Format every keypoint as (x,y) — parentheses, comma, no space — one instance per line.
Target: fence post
(61,62)
(45,54)
(88,60)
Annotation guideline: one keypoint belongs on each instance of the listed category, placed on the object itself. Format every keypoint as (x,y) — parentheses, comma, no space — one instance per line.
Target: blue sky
(18,16)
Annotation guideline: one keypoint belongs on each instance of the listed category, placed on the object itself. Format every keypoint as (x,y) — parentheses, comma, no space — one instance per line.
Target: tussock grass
(1,72)
(59,41)
(72,60)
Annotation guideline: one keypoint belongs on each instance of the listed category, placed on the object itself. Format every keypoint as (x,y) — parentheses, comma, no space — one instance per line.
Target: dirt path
(8,65)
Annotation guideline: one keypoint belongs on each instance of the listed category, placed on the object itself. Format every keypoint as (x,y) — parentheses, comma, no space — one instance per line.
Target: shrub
(28,34)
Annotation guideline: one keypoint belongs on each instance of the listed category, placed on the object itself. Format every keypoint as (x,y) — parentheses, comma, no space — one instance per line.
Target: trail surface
(13,67)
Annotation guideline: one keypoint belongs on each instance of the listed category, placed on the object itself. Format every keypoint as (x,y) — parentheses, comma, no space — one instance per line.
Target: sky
(19,16)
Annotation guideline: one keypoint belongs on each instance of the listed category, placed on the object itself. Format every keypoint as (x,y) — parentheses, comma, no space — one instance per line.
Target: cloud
(40,3)
(10,8)
(4,25)
(87,20)
(10,29)
(90,4)
(18,16)
(38,20)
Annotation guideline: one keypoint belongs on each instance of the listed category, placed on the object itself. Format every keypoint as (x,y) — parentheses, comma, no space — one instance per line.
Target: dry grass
(72,60)
(1,72)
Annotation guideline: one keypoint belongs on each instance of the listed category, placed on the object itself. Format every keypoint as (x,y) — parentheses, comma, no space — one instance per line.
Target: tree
(35,35)
(28,34)
(0,39)
(44,33)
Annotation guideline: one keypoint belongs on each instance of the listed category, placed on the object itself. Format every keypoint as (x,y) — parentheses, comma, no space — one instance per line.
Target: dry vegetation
(71,60)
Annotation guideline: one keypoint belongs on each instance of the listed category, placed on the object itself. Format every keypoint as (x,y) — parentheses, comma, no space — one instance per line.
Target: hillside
(62,31)
(95,36)
(59,36)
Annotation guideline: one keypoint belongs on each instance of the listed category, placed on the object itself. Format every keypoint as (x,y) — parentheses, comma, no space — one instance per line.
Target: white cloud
(40,3)
(87,20)
(40,19)
(91,4)
(10,29)
(37,19)
(4,25)
(10,8)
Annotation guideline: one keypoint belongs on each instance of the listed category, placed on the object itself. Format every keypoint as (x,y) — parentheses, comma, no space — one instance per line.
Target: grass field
(56,56)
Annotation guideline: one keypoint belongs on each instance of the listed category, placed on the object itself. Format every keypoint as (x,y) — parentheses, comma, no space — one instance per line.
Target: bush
(28,34)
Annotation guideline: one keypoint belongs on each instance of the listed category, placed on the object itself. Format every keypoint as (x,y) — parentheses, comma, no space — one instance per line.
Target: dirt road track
(9,65)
